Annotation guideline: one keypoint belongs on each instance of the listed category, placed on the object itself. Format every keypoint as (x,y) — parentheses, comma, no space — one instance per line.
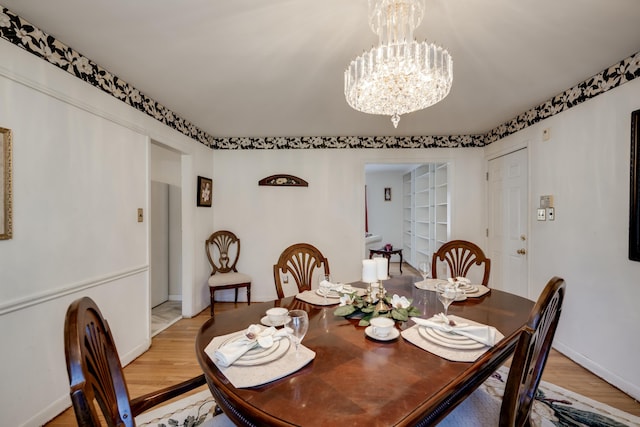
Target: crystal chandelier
(400,75)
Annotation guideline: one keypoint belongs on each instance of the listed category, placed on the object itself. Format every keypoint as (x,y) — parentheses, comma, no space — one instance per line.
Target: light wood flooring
(172,359)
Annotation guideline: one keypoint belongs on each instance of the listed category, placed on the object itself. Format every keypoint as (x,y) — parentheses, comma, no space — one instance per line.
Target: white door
(508,194)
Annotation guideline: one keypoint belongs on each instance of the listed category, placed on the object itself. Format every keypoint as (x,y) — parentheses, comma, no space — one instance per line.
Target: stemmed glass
(298,324)
(425,269)
(447,294)
(324,285)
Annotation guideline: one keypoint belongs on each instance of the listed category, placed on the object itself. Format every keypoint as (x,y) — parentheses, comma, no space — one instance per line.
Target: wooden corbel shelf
(283,181)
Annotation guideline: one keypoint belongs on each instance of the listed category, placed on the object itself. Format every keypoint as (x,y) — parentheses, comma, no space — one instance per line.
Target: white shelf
(426,211)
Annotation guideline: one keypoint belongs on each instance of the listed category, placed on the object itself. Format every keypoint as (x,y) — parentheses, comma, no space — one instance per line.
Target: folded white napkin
(254,336)
(481,333)
(325,284)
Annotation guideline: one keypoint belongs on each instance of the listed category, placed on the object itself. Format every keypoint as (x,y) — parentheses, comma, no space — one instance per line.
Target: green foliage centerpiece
(375,302)
(397,307)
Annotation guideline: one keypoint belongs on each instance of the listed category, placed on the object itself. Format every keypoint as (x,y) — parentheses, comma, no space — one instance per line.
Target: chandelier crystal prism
(400,75)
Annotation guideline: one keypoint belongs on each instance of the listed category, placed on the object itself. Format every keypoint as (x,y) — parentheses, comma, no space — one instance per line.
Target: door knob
(522,251)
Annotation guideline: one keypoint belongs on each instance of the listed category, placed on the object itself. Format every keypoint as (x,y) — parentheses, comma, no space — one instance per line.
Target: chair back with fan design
(531,353)
(460,256)
(300,260)
(95,372)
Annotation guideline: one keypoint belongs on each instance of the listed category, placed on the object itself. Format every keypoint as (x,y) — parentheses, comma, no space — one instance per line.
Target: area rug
(197,410)
(553,407)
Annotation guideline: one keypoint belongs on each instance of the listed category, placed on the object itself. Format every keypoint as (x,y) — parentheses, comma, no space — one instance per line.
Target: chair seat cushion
(221,279)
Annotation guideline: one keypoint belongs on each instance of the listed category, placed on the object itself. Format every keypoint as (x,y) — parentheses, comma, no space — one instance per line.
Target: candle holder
(381,306)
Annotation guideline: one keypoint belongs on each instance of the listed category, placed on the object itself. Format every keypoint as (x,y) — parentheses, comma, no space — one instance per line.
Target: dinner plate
(449,340)
(331,294)
(469,289)
(395,333)
(266,322)
(259,355)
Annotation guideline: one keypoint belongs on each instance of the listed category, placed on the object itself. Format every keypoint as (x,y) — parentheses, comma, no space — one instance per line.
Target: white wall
(585,166)
(80,172)
(385,217)
(330,212)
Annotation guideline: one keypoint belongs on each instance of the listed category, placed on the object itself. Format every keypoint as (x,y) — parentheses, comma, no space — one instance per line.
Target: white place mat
(251,376)
(430,285)
(312,297)
(413,336)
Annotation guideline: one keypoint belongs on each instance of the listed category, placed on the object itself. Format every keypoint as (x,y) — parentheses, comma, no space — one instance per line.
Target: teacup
(382,326)
(277,315)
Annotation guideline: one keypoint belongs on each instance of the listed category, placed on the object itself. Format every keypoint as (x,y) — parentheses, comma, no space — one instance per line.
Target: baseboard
(632,390)
(50,412)
(135,353)
(175,297)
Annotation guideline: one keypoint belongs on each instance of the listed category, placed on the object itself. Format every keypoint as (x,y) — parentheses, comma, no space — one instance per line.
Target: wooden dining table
(358,381)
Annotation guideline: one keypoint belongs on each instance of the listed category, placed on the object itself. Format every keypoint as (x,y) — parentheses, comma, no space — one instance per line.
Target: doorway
(165,272)
(508,189)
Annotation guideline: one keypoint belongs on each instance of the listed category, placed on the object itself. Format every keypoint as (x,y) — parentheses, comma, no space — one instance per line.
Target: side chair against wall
(300,260)
(529,359)
(95,373)
(223,251)
(460,256)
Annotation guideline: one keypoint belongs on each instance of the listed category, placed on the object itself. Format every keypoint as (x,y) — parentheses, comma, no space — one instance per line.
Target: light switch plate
(542,214)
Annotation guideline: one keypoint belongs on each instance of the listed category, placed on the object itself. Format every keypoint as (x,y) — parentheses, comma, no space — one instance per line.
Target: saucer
(395,333)
(265,321)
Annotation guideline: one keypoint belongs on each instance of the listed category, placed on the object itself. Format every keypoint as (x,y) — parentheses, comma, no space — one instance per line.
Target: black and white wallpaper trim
(21,33)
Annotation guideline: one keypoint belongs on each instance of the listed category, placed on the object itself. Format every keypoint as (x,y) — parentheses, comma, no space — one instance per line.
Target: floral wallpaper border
(30,38)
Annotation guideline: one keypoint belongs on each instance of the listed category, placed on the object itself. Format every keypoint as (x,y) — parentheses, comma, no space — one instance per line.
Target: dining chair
(300,260)
(527,364)
(460,256)
(223,251)
(96,375)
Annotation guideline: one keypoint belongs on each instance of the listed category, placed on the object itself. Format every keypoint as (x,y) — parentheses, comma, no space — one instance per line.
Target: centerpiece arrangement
(375,302)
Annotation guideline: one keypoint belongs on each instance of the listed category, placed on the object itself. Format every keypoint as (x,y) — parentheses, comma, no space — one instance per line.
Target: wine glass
(324,285)
(425,269)
(298,324)
(447,294)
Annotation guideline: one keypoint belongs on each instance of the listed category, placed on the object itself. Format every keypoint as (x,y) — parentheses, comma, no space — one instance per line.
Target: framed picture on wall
(205,191)
(6,196)
(634,189)
(387,194)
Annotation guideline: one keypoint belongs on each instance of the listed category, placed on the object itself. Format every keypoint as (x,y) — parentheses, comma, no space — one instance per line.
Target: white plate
(395,333)
(471,290)
(266,322)
(452,341)
(258,355)
(331,294)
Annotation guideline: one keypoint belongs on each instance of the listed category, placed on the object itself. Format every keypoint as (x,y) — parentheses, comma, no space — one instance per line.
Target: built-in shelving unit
(425,211)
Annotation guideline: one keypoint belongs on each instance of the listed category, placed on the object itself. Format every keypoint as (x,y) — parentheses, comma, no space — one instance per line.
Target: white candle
(369,271)
(382,265)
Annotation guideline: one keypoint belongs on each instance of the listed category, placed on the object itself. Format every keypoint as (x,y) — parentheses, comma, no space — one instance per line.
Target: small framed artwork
(387,194)
(6,195)
(205,190)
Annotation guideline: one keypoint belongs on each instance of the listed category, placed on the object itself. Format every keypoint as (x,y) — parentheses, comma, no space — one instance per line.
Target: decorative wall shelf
(283,181)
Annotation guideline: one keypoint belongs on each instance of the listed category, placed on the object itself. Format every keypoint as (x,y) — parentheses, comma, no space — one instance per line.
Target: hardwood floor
(172,359)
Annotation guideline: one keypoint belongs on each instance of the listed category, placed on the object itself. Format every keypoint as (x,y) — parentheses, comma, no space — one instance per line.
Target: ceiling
(260,68)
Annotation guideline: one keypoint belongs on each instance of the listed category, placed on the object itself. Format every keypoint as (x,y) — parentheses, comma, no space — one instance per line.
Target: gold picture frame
(6,196)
